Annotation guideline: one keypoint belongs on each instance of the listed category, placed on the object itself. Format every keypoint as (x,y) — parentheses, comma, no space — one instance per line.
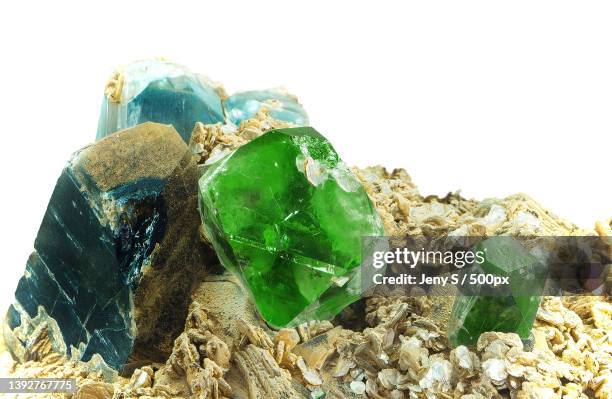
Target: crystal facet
(285,214)
(158,91)
(513,308)
(112,207)
(280,105)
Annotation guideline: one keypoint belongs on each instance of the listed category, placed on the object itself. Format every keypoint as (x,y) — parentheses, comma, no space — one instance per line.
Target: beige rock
(95,390)
(225,348)
(317,350)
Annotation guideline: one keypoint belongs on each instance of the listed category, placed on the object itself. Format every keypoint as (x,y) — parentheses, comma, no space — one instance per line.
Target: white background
(488,97)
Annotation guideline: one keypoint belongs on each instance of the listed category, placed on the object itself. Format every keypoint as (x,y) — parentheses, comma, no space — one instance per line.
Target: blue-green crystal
(162,92)
(280,105)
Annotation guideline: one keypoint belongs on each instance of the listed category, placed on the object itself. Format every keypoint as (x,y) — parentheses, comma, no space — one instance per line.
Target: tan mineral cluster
(399,351)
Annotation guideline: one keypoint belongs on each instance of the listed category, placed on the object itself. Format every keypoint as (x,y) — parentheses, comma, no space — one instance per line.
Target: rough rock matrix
(401,350)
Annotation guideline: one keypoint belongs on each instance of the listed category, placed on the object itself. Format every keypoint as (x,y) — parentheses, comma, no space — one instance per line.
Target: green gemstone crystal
(286,215)
(513,308)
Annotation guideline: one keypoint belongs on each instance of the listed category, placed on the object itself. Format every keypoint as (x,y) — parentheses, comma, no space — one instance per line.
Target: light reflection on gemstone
(280,105)
(158,91)
(290,241)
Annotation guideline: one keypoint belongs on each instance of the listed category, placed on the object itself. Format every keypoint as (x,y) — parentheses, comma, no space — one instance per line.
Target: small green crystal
(286,215)
(513,308)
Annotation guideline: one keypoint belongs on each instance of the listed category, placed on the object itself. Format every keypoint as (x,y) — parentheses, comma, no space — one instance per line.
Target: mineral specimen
(280,105)
(390,346)
(285,214)
(158,91)
(512,308)
(571,357)
(114,206)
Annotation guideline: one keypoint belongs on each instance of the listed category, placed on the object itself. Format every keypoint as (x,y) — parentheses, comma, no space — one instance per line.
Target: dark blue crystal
(101,225)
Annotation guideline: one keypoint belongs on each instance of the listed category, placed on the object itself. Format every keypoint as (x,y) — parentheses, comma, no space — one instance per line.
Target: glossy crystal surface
(104,218)
(159,91)
(280,105)
(513,308)
(286,215)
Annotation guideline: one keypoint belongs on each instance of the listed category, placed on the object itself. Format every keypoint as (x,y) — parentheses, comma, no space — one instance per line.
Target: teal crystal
(280,105)
(159,91)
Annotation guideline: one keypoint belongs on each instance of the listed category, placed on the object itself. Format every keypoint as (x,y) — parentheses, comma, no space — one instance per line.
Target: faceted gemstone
(158,91)
(280,105)
(108,213)
(285,214)
(510,308)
